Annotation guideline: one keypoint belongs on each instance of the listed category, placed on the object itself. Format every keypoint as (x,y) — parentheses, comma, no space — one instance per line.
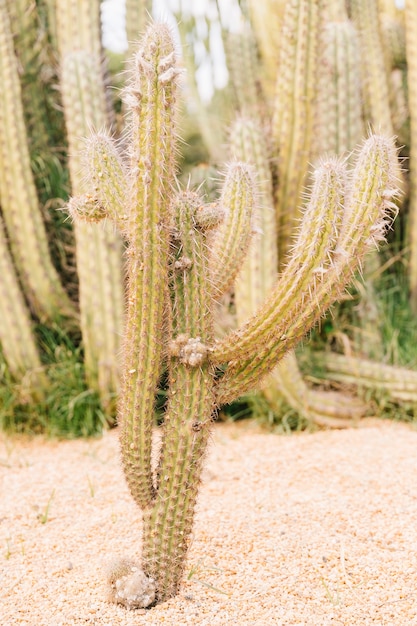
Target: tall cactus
(98,251)
(172,293)
(293,117)
(18,195)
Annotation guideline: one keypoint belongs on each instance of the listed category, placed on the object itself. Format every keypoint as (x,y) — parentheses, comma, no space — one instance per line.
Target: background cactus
(98,251)
(18,196)
(174,280)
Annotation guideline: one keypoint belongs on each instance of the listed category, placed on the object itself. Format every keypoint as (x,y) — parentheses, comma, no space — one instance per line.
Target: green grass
(69,409)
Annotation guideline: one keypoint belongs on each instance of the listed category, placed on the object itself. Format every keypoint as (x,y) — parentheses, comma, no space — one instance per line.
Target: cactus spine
(172,292)
(18,195)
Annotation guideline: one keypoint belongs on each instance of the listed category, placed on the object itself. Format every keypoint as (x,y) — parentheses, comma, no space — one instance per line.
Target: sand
(309,529)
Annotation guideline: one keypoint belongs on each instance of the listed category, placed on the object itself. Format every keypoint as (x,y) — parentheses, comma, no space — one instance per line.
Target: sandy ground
(310,529)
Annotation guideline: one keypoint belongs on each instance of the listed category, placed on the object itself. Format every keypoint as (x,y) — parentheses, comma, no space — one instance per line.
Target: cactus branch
(261,343)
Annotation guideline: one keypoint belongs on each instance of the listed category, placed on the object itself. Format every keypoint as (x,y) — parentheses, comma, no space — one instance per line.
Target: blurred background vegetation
(279,83)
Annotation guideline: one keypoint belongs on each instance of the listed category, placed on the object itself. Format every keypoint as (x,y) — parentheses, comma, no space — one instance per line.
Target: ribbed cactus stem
(339,102)
(191,402)
(259,270)
(397,383)
(152,137)
(411,34)
(323,273)
(18,194)
(78,26)
(243,66)
(137,14)
(267,18)
(16,337)
(293,116)
(231,241)
(374,71)
(98,250)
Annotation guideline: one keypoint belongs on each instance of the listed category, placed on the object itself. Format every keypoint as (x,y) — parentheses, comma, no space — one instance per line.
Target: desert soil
(309,529)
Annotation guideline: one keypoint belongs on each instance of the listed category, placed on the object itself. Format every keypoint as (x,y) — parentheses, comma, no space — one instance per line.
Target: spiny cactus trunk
(18,194)
(168,523)
(293,116)
(98,251)
(16,336)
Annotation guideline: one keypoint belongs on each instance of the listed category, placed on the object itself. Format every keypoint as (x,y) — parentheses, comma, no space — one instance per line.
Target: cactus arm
(231,240)
(256,281)
(18,195)
(365,216)
(411,42)
(191,402)
(152,135)
(316,239)
(398,383)
(108,177)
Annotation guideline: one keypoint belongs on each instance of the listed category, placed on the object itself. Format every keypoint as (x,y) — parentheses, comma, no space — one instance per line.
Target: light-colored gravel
(311,529)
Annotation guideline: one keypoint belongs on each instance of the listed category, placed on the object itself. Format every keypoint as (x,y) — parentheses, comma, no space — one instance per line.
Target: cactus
(98,251)
(16,337)
(267,17)
(339,126)
(374,77)
(137,14)
(397,383)
(293,117)
(174,278)
(18,197)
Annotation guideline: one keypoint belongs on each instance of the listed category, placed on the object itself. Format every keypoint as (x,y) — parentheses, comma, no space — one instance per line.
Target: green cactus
(173,283)
(255,282)
(374,70)
(16,337)
(18,196)
(137,15)
(294,115)
(339,126)
(397,383)
(98,251)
